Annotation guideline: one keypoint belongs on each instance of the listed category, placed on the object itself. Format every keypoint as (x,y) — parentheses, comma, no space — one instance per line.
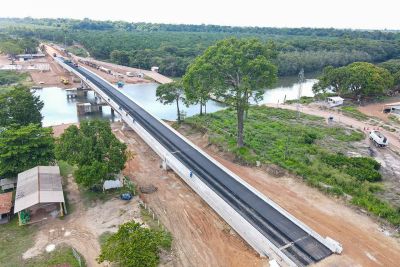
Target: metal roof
(5,202)
(41,184)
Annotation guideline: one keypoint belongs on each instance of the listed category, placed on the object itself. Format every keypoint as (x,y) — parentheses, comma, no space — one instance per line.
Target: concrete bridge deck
(268,228)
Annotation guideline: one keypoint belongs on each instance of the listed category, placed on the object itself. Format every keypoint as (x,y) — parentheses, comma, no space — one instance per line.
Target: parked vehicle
(378,138)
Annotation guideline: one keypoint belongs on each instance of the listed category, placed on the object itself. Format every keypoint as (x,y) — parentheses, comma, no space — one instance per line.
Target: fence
(77,257)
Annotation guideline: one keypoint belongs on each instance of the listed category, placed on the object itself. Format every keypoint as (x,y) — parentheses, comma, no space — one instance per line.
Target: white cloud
(279,13)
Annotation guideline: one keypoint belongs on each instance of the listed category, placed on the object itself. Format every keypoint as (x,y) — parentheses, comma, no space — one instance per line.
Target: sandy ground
(365,243)
(201,238)
(375,109)
(44,78)
(82,227)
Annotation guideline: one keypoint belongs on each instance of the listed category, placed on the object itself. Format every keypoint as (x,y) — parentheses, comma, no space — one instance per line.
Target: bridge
(264,225)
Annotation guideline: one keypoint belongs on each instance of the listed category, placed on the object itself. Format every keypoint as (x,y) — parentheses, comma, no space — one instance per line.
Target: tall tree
(24,147)
(20,106)
(94,149)
(197,84)
(357,80)
(240,71)
(169,93)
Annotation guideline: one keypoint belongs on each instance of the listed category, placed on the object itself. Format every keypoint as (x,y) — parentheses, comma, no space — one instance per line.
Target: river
(60,110)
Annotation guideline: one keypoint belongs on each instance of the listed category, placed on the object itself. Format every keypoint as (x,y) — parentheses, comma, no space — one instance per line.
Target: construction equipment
(64,80)
(378,138)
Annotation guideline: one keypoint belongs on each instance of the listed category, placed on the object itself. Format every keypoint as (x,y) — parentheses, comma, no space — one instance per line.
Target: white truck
(378,138)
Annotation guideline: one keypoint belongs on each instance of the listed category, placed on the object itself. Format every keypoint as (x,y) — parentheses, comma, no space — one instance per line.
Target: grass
(305,100)
(104,236)
(15,240)
(61,255)
(8,77)
(78,51)
(301,146)
(353,112)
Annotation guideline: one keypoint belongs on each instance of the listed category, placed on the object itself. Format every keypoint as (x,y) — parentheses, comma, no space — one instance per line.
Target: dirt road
(394,138)
(363,240)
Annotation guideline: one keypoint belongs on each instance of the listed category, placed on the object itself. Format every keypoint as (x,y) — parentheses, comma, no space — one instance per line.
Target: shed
(8,183)
(38,186)
(5,207)
(155,68)
(334,101)
(392,108)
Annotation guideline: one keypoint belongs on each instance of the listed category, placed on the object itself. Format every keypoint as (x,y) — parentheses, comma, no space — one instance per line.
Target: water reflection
(59,109)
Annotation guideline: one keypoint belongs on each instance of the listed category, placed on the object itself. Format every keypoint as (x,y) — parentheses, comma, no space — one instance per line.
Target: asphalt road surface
(293,241)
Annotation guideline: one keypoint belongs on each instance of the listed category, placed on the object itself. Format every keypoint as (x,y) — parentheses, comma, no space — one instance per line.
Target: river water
(58,109)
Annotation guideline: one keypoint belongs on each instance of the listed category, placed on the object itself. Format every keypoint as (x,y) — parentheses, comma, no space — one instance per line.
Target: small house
(155,68)
(8,183)
(6,205)
(334,101)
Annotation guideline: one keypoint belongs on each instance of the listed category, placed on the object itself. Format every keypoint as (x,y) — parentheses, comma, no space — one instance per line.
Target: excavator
(64,80)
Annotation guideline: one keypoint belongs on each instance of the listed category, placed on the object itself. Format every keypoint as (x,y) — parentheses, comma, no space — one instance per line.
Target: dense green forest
(173,47)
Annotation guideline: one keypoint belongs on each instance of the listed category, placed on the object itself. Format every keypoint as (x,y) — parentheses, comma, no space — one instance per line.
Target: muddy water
(58,109)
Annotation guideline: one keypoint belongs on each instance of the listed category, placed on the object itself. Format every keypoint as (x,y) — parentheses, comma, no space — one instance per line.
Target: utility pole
(301,80)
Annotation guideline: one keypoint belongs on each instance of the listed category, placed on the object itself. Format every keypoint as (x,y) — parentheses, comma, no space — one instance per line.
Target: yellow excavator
(64,80)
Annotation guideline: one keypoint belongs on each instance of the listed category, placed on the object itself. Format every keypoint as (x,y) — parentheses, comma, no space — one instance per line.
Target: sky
(354,14)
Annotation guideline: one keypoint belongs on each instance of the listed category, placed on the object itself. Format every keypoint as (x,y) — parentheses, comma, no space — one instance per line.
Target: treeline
(88,24)
(174,47)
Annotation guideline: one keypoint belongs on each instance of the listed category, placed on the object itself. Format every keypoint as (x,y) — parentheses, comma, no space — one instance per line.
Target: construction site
(203,234)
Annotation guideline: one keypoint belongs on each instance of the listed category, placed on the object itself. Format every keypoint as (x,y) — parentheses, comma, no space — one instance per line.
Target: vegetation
(19,106)
(303,100)
(25,147)
(353,112)
(77,50)
(8,77)
(357,80)
(14,241)
(169,93)
(94,149)
(134,246)
(304,147)
(174,47)
(14,46)
(240,70)
(62,256)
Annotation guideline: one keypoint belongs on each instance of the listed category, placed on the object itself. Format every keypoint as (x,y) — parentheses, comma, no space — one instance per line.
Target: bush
(134,245)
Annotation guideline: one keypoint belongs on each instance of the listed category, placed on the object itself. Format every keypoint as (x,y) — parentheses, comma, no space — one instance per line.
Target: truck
(378,139)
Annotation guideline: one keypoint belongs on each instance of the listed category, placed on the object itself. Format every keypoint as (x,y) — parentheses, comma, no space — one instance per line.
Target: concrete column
(112,112)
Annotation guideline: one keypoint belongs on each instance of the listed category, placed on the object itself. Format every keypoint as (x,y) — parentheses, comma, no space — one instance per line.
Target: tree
(134,246)
(11,48)
(197,83)
(359,79)
(169,93)
(240,71)
(24,147)
(94,149)
(20,106)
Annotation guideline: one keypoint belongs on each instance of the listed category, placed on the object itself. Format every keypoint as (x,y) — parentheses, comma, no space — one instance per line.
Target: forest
(174,47)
